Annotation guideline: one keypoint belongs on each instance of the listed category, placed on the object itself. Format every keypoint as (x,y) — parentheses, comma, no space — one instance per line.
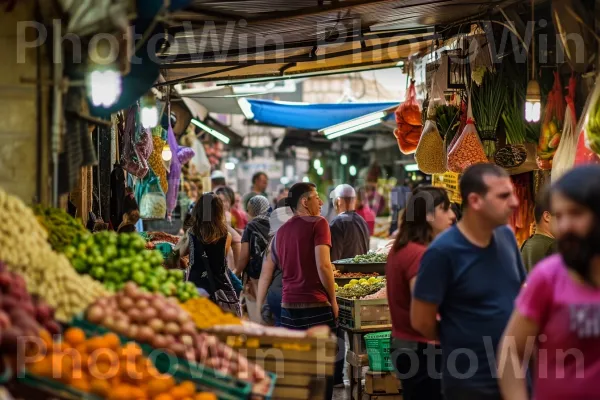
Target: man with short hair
(542,243)
(217,180)
(260,182)
(349,231)
(470,275)
(301,248)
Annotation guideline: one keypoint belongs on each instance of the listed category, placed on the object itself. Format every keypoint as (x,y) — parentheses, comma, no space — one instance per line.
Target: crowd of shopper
(453,276)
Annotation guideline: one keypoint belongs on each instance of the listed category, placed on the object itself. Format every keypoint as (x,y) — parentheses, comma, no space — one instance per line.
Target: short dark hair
(472,180)
(218,181)
(258,175)
(542,205)
(297,191)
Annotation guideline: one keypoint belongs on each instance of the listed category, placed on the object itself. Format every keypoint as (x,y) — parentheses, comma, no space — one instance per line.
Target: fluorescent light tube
(377,116)
(411,167)
(353,129)
(210,130)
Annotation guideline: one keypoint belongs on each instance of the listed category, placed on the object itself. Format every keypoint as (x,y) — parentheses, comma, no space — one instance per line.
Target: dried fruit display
(430,154)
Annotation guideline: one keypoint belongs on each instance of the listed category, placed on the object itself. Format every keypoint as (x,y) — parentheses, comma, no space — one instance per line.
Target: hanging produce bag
(430,154)
(588,128)
(156,161)
(468,149)
(174,172)
(408,121)
(137,146)
(564,159)
(152,203)
(552,125)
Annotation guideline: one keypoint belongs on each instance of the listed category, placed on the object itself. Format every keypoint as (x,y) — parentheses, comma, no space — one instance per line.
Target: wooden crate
(302,365)
(381,383)
(364,314)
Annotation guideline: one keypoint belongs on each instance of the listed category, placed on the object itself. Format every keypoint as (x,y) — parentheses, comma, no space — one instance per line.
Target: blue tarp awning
(311,116)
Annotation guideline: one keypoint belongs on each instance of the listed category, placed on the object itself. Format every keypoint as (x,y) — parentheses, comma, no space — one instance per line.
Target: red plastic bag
(408,121)
(554,115)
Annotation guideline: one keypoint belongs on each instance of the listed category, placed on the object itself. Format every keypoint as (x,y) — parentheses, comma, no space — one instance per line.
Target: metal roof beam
(295,45)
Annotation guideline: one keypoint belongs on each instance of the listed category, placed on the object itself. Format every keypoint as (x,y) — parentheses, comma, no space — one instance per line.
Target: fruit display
(61,227)
(207,314)
(381,294)
(25,250)
(551,132)
(467,151)
(162,323)
(357,289)
(101,366)
(370,257)
(353,275)
(592,132)
(118,258)
(21,315)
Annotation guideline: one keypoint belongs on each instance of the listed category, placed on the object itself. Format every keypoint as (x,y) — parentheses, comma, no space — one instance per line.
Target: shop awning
(311,116)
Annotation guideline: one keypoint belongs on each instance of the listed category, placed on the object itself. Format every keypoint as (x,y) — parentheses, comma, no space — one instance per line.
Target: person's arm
(514,353)
(533,306)
(433,278)
(243,258)
(183,246)
(325,270)
(266,277)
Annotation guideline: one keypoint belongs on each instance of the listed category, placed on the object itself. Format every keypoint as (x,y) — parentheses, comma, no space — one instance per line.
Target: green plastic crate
(378,350)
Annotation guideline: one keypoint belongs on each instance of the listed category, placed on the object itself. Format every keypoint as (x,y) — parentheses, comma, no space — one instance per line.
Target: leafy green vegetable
(370,257)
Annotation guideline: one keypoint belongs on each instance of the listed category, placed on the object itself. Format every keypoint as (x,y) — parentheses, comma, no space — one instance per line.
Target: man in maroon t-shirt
(302,249)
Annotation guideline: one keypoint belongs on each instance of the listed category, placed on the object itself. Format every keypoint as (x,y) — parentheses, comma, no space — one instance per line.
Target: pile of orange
(102,366)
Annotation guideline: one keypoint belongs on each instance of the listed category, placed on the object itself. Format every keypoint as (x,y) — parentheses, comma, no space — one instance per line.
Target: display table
(357,358)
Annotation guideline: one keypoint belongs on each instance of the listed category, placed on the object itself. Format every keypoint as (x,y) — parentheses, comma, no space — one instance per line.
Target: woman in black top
(207,242)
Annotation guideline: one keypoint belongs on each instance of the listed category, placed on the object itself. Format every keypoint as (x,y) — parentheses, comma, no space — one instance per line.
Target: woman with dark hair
(427,214)
(227,196)
(556,321)
(207,242)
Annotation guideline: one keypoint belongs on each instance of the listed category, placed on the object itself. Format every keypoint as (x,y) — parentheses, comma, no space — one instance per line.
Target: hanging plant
(488,103)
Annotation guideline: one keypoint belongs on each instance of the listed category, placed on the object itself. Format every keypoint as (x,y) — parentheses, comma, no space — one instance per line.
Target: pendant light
(533,98)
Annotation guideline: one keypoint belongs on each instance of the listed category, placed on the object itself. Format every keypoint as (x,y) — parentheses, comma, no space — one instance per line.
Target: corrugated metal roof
(233,39)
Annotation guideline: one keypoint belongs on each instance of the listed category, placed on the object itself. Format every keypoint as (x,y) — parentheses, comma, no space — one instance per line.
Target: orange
(112,341)
(205,396)
(154,387)
(74,336)
(95,344)
(130,351)
(42,367)
(164,396)
(46,339)
(100,387)
(81,384)
(188,388)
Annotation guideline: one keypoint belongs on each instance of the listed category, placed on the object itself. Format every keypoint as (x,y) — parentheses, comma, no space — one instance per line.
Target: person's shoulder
(446,239)
(551,267)
(505,231)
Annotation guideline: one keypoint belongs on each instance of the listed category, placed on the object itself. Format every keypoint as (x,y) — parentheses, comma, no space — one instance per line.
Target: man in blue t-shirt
(470,276)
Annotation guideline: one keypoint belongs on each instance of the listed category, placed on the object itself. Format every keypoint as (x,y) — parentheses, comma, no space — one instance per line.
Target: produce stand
(367,268)
(301,364)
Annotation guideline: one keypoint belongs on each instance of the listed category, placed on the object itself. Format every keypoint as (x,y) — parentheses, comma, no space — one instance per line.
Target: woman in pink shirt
(556,322)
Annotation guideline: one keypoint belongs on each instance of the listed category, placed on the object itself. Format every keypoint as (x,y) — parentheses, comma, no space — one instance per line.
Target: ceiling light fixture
(211,131)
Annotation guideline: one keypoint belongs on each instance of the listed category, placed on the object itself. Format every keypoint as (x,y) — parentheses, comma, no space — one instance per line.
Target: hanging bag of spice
(156,161)
(468,149)
(430,154)
(589,130)
(554,115)
(564,159)
(408,121)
